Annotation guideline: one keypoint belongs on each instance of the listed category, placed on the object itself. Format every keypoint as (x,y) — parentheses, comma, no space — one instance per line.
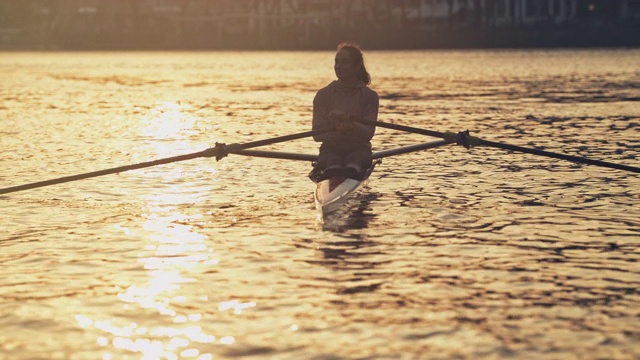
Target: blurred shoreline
(397,40)
(317,25)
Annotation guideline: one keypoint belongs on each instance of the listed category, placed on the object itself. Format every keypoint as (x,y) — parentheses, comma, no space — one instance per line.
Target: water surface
(450,253)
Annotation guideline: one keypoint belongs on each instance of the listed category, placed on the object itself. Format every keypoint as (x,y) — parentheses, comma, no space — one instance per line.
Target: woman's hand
(339,116)
(343,120)
(344,126)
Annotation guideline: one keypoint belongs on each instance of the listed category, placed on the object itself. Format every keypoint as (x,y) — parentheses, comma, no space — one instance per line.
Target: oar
(447,136)
(218,151)
(466,140)
(577,159)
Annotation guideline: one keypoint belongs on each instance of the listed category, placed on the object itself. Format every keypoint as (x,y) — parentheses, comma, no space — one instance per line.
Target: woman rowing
(346,104)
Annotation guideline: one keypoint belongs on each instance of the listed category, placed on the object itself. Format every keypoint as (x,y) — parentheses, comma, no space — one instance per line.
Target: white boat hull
(329,200)
(332,194)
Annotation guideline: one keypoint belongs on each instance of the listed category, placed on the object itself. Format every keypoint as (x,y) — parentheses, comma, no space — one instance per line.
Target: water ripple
(449,253)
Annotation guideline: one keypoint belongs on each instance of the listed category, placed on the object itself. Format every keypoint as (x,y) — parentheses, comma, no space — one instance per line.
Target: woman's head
(349,64)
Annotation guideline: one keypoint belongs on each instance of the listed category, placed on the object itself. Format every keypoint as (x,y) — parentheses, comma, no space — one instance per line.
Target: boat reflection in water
(354,214)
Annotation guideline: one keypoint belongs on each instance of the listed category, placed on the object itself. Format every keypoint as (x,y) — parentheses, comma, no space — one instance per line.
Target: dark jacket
(361,102)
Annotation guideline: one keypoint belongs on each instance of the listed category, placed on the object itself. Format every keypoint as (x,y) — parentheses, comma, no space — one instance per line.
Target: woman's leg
(329,158)
(360,159)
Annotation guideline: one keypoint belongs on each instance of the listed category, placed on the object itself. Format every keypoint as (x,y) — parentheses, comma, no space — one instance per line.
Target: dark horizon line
(399,40)
(331,47)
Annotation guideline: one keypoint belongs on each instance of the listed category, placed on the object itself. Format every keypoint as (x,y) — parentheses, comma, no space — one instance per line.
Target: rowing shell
(331,194)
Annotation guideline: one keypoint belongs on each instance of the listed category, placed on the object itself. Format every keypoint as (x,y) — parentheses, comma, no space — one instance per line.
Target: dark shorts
(342,155)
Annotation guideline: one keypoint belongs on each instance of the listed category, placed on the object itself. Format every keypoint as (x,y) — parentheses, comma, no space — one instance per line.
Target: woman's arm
(362,130)
(320,118)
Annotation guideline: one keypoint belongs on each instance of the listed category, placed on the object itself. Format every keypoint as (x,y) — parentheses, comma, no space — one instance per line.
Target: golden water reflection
(169,120)
(172,256)
(173,252)
(506,254)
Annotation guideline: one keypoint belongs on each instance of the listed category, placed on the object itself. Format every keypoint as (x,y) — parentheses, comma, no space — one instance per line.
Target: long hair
(357,57)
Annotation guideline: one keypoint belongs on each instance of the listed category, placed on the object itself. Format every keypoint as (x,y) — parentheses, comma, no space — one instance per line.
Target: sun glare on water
(167,130)
(169,120)
(173,251)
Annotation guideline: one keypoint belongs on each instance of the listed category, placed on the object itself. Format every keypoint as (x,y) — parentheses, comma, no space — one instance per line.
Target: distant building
(293,23)
(520,13)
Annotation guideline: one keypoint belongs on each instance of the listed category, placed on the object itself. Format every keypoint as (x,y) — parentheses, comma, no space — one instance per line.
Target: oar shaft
(577,159)
(407,129)
(469,141)
(114,170)
(219,151)
(279,139)
(447,136)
